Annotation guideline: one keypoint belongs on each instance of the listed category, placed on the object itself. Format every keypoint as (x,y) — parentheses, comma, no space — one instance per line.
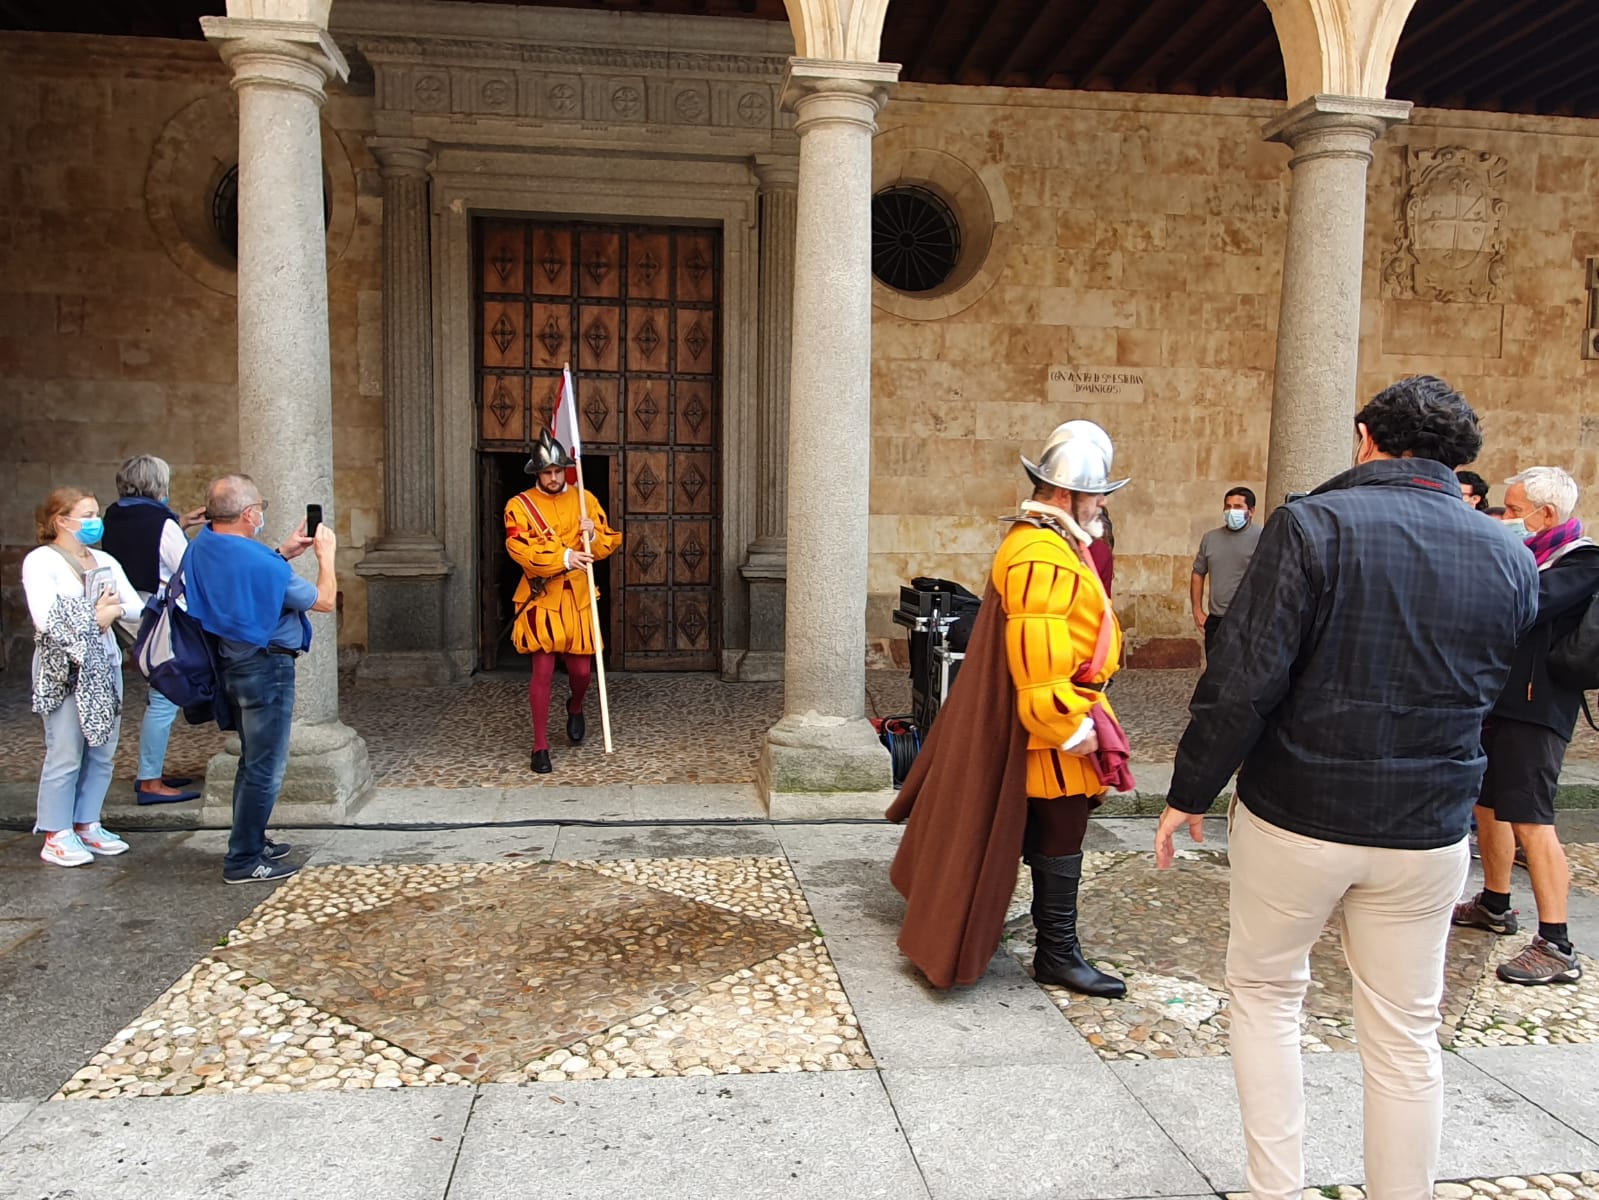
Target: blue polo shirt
(289,633)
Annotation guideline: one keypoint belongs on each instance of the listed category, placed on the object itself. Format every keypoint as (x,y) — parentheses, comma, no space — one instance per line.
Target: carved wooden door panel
(636,311)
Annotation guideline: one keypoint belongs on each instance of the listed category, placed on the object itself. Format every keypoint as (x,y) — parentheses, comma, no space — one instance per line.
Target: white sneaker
(100,840)
(65,849)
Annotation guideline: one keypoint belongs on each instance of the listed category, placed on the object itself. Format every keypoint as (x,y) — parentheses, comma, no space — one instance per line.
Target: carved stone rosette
(1451,239)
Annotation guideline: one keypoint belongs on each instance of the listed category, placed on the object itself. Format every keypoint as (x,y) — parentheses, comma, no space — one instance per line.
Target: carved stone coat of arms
(1451,243)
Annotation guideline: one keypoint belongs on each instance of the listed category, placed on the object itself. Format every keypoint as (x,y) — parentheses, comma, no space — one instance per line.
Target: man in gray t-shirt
(1223,555)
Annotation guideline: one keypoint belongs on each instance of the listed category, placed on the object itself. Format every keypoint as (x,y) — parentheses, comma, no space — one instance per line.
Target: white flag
(563,422)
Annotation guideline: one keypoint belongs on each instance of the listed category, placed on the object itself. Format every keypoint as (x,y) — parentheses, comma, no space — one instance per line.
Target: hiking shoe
(260,871)
(65,849)
(100,840)
(1541,962)
(1471,914)
(275,850)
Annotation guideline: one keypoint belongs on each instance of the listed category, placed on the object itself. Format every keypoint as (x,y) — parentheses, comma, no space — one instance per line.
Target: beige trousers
(1396,909)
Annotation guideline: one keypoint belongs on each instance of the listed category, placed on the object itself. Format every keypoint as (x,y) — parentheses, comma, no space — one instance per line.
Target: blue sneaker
(260,871)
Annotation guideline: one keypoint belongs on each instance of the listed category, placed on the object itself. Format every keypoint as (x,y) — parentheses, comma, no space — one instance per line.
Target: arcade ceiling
(1531,56)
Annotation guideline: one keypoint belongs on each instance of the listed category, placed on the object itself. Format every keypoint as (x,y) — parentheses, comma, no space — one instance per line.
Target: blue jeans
(154,732)
(75,775)
(261,690)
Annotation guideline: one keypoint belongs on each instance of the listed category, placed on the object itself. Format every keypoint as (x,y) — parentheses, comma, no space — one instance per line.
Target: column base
(815,767)
(327,779)
(766,570)
(405,616)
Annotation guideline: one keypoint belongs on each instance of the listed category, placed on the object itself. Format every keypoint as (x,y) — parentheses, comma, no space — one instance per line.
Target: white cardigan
(46,577)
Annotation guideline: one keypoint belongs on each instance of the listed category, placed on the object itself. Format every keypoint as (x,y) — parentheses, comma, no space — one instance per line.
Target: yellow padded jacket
(1054,603)
(558,621)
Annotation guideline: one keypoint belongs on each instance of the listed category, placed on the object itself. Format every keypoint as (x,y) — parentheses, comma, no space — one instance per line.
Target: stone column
(766,565)
(285,388)
(1313,399)
(405,571)
(822,757)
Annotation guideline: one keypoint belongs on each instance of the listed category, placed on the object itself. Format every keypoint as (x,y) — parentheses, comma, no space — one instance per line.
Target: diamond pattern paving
(447,973)
(485,977)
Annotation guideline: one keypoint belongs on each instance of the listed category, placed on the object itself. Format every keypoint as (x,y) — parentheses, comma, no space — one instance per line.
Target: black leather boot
(1059,959)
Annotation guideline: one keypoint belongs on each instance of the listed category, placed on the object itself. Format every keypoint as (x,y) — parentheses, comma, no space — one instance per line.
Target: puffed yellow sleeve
(1042,651)
(605,540)
(538,554)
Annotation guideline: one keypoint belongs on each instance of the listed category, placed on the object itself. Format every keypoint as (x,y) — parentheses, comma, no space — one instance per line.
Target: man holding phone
(246,595)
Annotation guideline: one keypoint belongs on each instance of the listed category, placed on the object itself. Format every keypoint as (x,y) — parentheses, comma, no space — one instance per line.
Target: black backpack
(1574,659)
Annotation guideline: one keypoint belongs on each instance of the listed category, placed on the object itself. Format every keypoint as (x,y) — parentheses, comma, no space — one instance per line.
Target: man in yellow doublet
(544,529)
(1062,644)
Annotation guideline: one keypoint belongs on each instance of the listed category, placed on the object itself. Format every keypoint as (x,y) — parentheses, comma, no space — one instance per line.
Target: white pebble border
(1584,1186)
(753,887)
(784,1015)
(1511,1014)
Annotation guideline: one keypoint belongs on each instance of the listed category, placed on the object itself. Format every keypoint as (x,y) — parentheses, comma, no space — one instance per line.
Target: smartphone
(313,518)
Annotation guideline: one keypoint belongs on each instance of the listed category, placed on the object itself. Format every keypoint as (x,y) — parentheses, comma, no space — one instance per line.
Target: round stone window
(916,240)
(225,209)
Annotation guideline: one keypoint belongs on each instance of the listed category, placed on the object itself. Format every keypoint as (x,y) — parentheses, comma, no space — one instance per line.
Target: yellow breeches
(555,625)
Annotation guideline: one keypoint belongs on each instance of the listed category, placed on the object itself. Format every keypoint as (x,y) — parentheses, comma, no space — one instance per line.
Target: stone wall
(1140,238)
(117,318)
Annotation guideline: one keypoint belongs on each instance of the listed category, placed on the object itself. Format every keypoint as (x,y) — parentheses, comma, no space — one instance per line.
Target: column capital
(399,157)
(1361,116)
(292,54)
(854,91)
(777,173)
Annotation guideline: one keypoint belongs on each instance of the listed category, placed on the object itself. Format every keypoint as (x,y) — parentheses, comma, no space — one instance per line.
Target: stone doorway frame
(470,182)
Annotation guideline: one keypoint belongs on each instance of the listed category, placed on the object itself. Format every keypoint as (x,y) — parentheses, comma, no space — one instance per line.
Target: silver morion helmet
(1076,457)
(548,453)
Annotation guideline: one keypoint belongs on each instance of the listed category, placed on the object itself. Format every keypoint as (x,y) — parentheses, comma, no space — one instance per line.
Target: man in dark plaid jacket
(1370,636)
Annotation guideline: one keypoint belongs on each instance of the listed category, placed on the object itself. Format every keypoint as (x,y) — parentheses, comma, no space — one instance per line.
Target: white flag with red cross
(563,422)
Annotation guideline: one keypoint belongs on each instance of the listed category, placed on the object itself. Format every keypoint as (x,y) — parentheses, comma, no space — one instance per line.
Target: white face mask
(1236,518)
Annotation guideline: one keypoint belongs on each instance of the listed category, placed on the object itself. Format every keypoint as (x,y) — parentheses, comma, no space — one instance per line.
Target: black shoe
(260,871)
(145,797)
(1059,959)
(275,850)
(576,727)
(541,762)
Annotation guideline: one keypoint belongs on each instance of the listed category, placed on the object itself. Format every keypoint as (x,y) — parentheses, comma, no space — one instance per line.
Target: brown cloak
(966,797)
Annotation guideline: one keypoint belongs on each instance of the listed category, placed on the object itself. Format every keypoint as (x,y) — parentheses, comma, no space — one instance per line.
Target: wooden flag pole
(594,595)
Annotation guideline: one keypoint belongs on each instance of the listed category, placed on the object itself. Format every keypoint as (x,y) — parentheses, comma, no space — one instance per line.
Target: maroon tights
(579,669)
(1057,827)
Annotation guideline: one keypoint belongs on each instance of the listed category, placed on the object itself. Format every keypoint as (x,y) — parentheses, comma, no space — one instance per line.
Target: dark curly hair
(1477,484)
(1423,417)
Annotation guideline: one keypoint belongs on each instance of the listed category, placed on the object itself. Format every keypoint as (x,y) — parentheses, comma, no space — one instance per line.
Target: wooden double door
(636,312)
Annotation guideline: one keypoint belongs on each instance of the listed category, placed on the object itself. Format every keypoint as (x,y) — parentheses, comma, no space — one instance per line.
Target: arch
(837,30)
(1339,47)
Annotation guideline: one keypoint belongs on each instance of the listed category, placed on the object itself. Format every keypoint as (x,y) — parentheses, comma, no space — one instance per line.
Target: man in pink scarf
(1526,735)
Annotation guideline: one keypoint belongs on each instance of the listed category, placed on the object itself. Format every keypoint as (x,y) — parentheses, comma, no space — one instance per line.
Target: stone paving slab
(400,1146)
(1003,1019)
(666,841)
(359,846)
(1488,1129)
(1016,1132)
(1559,1079)
(11,1114)
(776,1137)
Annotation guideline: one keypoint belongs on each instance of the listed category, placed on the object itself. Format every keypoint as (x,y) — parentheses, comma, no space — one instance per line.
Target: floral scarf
(1545,542)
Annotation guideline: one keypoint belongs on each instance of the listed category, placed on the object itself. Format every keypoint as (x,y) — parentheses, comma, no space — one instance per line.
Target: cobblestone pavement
(1511,1187)
(1166,934)
(353,977)
(667,729)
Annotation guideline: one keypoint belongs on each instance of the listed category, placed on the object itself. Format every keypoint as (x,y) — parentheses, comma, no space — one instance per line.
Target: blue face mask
(90,530)
(1236,518)
(1518,527)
